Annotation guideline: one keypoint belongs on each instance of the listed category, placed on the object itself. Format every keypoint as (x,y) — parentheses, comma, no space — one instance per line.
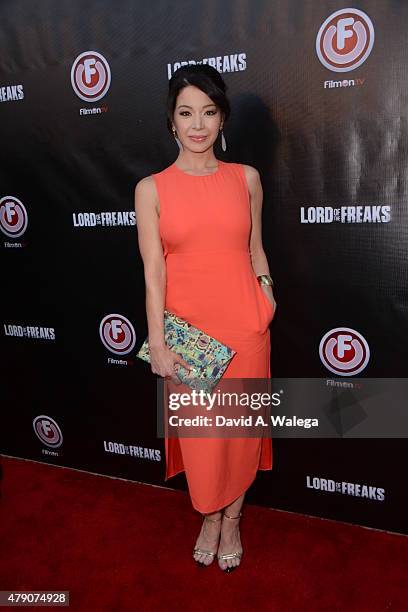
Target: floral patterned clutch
(209,356)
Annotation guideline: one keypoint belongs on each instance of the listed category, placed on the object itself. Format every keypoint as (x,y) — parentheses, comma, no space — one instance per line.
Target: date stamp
(34,598)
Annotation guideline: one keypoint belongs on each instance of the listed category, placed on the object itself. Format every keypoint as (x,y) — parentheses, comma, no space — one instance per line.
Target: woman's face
(196,118)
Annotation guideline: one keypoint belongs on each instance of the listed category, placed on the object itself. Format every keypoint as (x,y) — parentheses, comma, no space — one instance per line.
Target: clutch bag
(206,354)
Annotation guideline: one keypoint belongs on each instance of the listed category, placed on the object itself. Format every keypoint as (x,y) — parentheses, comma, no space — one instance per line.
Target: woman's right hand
(165,362)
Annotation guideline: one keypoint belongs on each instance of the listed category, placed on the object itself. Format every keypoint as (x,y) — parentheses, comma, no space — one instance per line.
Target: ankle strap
(233,517)
(212,520)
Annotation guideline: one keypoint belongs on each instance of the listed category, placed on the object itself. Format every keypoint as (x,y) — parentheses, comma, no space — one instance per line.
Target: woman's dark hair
(203,76)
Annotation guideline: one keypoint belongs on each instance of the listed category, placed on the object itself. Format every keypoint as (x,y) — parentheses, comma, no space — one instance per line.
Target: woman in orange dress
(200,238)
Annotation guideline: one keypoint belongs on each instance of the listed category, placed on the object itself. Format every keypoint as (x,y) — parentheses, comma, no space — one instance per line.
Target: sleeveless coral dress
(205,224)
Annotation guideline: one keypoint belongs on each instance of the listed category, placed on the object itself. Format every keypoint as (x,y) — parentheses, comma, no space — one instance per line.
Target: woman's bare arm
(258,257)
(162,358)
(151,250)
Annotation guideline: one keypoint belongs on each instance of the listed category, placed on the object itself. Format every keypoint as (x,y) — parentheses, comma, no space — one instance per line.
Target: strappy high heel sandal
(205,552)
(234,555)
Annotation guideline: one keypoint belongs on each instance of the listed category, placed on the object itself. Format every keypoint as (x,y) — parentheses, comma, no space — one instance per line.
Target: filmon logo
(90,79)
(48,432)
(344,351)
(117,334)
(13,217)
(344,42)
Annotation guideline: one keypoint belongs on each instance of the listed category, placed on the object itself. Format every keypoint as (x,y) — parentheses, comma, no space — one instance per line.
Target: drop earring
(180,146)
(223,141)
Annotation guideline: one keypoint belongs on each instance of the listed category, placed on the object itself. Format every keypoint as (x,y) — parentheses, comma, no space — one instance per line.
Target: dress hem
(228,502)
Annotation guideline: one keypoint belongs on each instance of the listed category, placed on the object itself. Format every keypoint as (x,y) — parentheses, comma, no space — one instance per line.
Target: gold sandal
(234,555)
(205,552)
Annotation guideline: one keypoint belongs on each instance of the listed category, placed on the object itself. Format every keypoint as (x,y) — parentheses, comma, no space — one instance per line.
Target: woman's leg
(230,540)
(209,536)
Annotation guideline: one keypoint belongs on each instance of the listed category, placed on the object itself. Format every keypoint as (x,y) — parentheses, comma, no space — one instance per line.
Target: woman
(200,238)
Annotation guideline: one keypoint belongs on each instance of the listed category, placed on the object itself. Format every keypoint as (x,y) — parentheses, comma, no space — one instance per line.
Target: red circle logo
(90,76)
(117,334)
(13,217)
(344,351)
(345,40)
(48,431)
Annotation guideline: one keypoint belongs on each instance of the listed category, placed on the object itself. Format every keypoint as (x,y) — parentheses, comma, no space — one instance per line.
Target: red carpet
(121,547)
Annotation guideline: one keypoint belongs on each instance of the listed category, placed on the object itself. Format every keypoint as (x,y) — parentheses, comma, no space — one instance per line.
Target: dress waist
(203,253)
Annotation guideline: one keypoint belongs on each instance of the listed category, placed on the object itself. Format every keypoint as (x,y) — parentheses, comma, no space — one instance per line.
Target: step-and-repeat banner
(320,108)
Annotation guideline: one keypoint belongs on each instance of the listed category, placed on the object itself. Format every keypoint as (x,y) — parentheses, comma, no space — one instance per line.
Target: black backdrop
(324,133)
